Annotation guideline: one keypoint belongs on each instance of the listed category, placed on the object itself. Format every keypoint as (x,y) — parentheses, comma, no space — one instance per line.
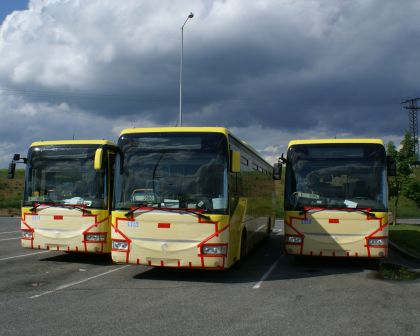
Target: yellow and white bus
(67,196)
(336,198)
(189,197)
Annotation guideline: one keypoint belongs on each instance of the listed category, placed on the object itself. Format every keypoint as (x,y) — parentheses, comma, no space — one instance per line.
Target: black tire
(268,231)
(244,246)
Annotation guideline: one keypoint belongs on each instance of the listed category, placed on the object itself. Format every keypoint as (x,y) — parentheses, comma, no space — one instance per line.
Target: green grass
(407,236)
(389,271)
(406,208)
(11,190)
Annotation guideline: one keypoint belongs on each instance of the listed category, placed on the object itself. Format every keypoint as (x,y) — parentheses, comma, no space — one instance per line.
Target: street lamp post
(180,69)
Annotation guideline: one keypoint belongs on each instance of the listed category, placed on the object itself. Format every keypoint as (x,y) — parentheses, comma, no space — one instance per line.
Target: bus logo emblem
(133,224)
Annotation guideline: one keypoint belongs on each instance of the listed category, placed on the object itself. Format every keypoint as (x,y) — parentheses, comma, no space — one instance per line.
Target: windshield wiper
(149,209)
(52,204)
(367,211)
(143,206)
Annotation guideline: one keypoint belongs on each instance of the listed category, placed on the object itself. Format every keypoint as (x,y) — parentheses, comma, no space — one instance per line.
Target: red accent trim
(138,261)
(190,264)
(150,263)
(333,221)
(161,263)
(60,217)
(380,228)
(200,220)
(356,254)
(128,240)
(164,225)
(368,218)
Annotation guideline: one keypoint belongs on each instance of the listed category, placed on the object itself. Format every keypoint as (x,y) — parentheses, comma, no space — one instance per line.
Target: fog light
(96,237)
(378,242)
(27,234)
(214,249)
(119,245)
(293,240)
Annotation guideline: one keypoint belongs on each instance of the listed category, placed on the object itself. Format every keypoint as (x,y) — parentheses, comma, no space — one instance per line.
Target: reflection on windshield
(173,170)
(64,175)
(345,176)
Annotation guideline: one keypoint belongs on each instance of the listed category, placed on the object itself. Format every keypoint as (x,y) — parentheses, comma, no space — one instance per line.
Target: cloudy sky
(270,70)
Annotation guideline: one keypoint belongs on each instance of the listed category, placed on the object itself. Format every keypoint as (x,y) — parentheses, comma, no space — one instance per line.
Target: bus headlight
(378,242)
(214,249)
(293,240)
(27,234)
(119,245)
(96,237)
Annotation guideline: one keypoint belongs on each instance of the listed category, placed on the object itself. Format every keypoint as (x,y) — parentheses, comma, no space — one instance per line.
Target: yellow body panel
(64,229)
(336,233)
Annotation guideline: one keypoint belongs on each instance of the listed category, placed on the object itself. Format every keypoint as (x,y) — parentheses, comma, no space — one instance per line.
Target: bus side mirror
(97,164)
(235,161)
(277,170)
(391,166)
(16,157)
(11,170)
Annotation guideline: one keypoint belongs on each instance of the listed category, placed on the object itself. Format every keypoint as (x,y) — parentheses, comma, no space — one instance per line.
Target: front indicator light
(214,249)
(293,240)
(378,241)
(119,245)
(95,237)
(27,234)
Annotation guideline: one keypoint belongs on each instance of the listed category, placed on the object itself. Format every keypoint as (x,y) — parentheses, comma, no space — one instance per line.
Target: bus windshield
(172,170)
(64,175)
(339,176)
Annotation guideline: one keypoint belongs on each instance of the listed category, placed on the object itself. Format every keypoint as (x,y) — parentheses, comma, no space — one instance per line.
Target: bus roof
(335,141)
(72,142)
(175,129)
(198,129)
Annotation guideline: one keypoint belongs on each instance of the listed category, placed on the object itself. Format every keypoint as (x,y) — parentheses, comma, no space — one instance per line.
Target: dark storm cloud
(297,68)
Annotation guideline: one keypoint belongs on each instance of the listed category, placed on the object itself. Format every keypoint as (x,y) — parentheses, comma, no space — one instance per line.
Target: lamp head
(191,15)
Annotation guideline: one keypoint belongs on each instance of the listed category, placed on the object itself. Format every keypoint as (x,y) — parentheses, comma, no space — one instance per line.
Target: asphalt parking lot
(54,293)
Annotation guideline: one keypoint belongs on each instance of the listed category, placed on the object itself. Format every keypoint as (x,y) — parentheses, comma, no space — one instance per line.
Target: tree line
(405,182)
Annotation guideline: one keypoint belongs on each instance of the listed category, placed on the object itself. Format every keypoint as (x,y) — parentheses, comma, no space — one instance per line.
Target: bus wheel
(268,231)
(244,246)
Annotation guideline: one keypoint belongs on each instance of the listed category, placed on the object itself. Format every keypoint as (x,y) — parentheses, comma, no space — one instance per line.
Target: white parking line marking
(71,284)
(24,255)
(9,239)
(266,274)
(1,233)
